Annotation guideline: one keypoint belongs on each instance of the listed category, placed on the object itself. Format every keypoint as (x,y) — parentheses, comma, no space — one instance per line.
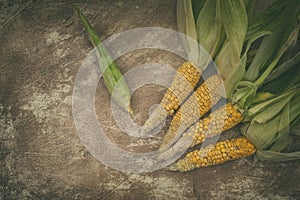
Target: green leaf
(274,131)
(243,94)
(267,20)
(197,7)
(261,97)
(285,66)
(262,135)
(284,76)
(249,7)
(228,60)
(282,140)
(186,25)
(271,110)
(235,22)
(289,42)
(277,156)
(260,107)
(296,128)
(273,46)
(209,27)
(112,76)
(253,38)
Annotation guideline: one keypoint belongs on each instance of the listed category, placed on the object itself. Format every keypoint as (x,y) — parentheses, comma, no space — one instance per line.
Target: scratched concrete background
(42,47)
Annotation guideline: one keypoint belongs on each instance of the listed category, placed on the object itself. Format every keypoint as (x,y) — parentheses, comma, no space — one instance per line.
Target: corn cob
(222,119)
(184,82)
(212,155)
(203,98)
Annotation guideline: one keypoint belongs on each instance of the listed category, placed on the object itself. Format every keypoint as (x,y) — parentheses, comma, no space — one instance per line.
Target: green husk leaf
(228,60)
(209,27)
(244,93)
(282,138)
(253,38)
(271,137)
(235,22)
(232,70)
(249,7)
(270,111)
(262,135)
(112,76)
(289,42)
(260,107)
(289,80)
(186,25)
(262,96)
(285,76)
(277,156)
(197,7)
(273,46)
(296,128)
(295,60)
(265,21)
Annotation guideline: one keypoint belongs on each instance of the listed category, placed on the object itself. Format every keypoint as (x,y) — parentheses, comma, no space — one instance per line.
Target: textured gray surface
(42,47)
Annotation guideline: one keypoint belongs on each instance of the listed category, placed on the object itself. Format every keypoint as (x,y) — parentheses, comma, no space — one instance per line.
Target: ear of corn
(215,154)
(184,82)
(222,119)
(197,105)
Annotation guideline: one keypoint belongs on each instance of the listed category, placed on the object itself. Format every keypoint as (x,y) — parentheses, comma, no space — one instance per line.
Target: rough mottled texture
(220,120)
(41,155)
(215,154)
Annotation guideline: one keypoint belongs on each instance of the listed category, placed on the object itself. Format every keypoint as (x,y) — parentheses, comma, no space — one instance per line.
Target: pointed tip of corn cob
(130,110)
(185,80)
(219,153)
(156,118)
(172,132)
(172,168)
(178,149)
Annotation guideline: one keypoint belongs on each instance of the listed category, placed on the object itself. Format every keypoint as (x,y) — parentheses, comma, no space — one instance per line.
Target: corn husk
(186,25)
(269,53)
(273,46)
(229,62)
(113,78)
(209,28)
(271,138)
(200,20)
(273,121)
